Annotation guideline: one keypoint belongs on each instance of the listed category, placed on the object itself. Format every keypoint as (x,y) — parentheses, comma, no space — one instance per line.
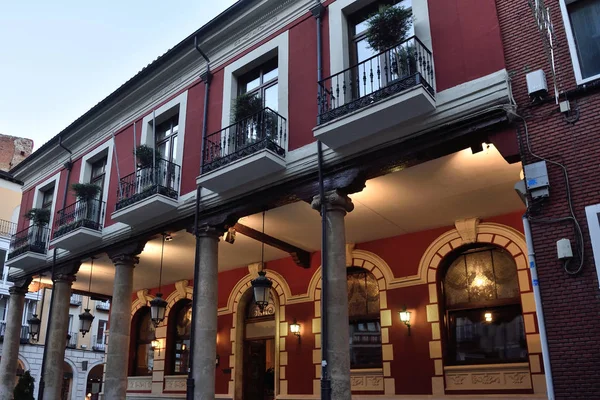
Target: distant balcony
(28,247)
(23,337)
(72,340)
(7,228)
(381,92)
(98,343)
(148,193)
(76,299)
(245,151)
(79,225)
(103,305)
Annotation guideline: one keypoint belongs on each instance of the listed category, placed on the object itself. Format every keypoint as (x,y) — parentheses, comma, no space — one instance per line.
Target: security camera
(521,190)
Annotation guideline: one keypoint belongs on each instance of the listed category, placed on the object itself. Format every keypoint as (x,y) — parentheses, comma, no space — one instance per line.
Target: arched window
(363,311)
(483,308)
(142,336)
(179,333)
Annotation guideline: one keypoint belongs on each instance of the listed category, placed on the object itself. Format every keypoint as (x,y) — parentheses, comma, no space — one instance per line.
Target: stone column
(334,280)
(205,316)
(56,339)
(10,347)
(117,358)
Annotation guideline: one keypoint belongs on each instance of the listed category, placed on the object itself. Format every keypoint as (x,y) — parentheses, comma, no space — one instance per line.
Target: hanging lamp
(158,306)
(34,322)
(262,284)
(86,318)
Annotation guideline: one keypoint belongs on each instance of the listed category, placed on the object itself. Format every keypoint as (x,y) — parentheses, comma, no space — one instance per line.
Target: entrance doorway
(65,393)
(259,352)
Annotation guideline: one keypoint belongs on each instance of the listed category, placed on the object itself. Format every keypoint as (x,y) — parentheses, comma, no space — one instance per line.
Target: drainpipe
(190,379)
(539,309)
(69,167)
(317,12)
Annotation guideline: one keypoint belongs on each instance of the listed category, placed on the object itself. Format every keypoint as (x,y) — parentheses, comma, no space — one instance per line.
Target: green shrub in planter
(85,191)
(25,387)
(388,27)
(144,154)
(39,216)
(244,106)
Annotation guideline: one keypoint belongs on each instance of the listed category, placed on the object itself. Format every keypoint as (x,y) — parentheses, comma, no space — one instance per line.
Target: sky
(59,58)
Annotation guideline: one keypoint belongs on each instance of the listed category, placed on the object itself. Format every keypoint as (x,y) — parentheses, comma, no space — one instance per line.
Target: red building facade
(428,153)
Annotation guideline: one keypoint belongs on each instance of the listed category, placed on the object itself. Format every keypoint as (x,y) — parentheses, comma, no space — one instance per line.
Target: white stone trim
(53,180)
(279,44)
(163,112)
(593,219)
(572,46)
(339,42)
(85,173)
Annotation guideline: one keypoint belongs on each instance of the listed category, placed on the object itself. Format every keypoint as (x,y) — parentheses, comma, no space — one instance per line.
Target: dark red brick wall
(13,150)
(571,303)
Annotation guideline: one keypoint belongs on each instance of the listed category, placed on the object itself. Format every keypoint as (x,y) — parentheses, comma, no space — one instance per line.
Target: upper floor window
(365,327)
(483,308)
(583,16)
(262,81)
(3,308)
(166,138)
(47,197)
(98,175)
(101,331)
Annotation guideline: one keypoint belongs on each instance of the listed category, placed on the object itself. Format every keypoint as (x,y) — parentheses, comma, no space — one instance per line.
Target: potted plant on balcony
(388,28)
(244,106)
(145,154)
(39,216)
(25,387)
(247,129)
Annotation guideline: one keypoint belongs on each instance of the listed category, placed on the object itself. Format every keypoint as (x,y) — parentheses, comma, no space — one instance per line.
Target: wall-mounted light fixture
(405,317)
(295,328)
(155,344)
(217,361)
(488,317)
(229,235)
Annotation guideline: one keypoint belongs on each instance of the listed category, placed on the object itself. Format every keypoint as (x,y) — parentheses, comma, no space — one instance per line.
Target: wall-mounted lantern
(405,317)
(295,328)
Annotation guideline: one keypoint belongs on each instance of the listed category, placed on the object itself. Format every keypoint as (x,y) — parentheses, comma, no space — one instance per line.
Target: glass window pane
(455,283)
(585,21)
(480,274)
(272,74)
(271,97)
(507,280)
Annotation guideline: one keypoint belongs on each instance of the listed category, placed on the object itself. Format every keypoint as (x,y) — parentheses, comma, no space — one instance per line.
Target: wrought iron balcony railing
(406,65)
(162,178)
(7,228)
(103,305)
(72,340)
(82,214)
(76,299)
(34,238)
(98,343)
(263,130)
(24,337)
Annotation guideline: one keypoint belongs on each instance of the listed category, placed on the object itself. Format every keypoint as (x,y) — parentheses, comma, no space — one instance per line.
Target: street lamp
(262,288)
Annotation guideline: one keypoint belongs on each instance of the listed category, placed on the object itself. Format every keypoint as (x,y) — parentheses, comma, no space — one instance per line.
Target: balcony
(245,151)
(7,228)
(79,225)
(72,340)
(148,193)
(103,305)
(98,343)
(76,299)
(2,329)
(24,337)
(28,247)
(383,91)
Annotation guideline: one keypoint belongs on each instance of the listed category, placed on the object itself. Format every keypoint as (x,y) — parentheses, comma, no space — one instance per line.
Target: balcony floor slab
(77,239)
(27,261)
(149,208)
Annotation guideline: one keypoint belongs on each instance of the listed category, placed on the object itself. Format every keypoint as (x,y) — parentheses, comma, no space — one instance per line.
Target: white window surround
(572,47)
(37,197)
(278,45)
(167,110)
(85,174)
(593,219)
(339,41)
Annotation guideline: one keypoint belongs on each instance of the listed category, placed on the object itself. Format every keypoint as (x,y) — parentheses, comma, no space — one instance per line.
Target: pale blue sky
(59,58)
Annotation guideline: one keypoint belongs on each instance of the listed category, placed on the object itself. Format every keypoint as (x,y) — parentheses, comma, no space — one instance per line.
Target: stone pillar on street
(117,358)
(337,206)
(12,334)
(56,339)
(205,315)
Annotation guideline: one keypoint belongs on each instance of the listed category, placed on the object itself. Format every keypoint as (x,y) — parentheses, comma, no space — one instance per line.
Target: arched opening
(141,354)
(482,308)
(364,319)
(65,392)
(20,369)
(178,338)
(93,385)
(256,349)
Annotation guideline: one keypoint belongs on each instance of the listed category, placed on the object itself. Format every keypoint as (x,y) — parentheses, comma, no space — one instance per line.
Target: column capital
(17,290)
(211,231)
(64,277)
(20,286)
(126,254)
(335,200)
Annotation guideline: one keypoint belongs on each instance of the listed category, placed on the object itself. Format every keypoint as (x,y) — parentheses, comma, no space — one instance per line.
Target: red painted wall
(466,40)
(190,168)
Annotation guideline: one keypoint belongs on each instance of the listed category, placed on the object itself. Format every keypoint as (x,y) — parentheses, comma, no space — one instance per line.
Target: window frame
(592,213)
(104,151)
(53,181)
(572,45)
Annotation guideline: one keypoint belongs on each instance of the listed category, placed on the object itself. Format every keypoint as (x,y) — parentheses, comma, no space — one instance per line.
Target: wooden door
(255,356)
